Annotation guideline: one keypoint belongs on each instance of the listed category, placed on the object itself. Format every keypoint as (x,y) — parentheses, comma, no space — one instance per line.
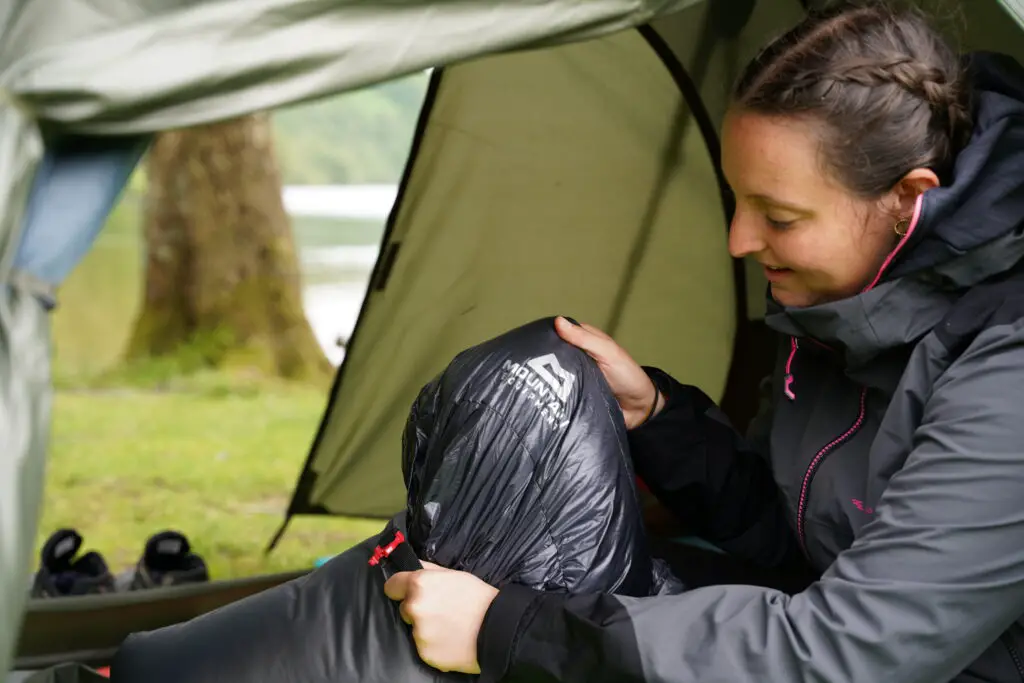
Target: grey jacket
(892,458)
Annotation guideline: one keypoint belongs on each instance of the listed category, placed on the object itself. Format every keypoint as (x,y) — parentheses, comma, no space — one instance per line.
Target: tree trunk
(222,276)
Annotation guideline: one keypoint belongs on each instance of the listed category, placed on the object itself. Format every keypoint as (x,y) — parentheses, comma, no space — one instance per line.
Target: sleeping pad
(517,469)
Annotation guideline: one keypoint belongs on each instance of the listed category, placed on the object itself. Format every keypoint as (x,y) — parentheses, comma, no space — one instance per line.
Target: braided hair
(886,91)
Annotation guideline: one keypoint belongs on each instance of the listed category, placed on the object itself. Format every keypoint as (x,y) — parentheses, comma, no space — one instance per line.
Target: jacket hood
(518,470)
(962,233)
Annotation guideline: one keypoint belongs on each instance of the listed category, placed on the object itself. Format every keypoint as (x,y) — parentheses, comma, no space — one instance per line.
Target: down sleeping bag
(517,469)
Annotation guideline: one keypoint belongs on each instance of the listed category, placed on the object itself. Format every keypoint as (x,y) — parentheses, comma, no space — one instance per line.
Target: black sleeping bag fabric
(517,469)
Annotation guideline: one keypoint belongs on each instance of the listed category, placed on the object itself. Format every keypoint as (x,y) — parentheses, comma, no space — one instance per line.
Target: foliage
(355,138)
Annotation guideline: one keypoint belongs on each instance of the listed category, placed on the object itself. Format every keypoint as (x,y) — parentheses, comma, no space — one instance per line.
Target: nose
(746,236)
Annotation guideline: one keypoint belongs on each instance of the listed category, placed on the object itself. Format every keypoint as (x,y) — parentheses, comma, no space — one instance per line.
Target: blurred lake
(338,229)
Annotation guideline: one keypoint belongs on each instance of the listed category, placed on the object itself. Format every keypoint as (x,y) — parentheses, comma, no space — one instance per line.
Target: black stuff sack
(517,469)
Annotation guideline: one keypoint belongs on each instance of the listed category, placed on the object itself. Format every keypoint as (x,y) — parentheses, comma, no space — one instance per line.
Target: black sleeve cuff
(499,632)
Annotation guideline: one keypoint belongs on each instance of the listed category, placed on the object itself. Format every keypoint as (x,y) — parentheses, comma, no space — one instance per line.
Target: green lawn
(213,456)
(125,464)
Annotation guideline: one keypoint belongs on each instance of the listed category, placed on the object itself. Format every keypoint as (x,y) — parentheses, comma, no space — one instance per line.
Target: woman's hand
(633,389)
(446,609)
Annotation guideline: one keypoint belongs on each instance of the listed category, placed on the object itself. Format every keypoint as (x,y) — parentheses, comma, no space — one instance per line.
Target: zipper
(788,379)
(801,508)
(1011,647)
(788,383)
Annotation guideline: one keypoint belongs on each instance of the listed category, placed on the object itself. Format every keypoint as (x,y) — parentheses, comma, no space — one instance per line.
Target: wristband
(654,403)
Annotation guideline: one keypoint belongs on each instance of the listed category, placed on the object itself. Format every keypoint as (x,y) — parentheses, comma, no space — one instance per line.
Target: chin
(791,299)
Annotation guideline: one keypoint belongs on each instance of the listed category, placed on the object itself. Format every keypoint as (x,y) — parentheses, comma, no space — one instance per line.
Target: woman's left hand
(446,609)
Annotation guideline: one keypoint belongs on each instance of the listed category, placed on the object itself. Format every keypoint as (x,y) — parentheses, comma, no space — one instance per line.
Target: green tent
(565,162)
(578,179)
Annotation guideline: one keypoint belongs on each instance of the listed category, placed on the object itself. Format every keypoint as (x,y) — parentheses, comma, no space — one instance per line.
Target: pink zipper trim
(801,508)
(910,231)
(788,387)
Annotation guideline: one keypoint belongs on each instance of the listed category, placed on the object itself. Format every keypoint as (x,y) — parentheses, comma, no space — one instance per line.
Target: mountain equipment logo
(551,372)
(545,383)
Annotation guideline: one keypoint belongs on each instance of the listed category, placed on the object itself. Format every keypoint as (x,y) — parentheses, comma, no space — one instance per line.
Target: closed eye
(778,225)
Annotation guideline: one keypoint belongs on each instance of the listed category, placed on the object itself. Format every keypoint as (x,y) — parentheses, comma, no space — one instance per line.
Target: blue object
(78,182)
(698,543)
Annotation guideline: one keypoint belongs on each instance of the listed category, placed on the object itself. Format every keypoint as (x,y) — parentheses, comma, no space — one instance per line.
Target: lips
(775,273)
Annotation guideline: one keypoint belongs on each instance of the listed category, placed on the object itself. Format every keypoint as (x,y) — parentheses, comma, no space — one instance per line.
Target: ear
(910,187)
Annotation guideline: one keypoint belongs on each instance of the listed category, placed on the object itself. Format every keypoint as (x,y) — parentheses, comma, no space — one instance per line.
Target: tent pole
(691,106)
(278,535)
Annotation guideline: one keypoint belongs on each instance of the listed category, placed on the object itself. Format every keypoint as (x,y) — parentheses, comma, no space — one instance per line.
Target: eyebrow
(765,199)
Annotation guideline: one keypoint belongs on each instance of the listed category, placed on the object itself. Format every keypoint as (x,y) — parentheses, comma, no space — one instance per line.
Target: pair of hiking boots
(167,560)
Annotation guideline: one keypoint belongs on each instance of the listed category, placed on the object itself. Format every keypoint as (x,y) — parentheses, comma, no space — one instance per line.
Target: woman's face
(816,241)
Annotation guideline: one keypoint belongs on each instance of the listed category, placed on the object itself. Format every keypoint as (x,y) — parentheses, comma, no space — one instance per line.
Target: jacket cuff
(499,631)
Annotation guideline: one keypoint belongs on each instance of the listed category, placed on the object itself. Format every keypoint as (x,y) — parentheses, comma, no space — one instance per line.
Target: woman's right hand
(633,389)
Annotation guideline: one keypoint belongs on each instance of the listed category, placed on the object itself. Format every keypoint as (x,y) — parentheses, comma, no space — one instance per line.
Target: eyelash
(777,225)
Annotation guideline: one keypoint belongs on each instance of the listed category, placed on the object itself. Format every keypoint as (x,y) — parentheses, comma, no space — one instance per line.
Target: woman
(880,183)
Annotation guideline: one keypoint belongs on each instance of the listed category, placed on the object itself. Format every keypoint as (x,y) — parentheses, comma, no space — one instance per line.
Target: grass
(125,464)
(216,456)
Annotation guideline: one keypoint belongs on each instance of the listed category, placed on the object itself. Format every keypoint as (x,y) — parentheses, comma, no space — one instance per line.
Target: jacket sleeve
(715,481)
(933,580)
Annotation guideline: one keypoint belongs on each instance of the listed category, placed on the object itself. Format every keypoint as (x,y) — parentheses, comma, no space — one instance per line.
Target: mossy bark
(222,281)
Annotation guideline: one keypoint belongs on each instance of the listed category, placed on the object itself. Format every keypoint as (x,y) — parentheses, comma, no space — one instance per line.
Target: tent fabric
(134,67)
(126,67)
(536,180)
(1015,8)
(498,222)
(535,177)
(24,429)
(24,384)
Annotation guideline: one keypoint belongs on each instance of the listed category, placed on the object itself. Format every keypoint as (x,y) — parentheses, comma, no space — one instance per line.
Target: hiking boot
(63,574)
(168,560)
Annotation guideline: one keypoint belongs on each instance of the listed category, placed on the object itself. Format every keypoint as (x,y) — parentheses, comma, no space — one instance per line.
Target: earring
(901,227)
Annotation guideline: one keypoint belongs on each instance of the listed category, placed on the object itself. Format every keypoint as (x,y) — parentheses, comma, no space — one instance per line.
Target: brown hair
(887,91)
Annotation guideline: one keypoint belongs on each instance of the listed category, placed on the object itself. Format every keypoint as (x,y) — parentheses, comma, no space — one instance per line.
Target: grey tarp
(118,67)
(525,162)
